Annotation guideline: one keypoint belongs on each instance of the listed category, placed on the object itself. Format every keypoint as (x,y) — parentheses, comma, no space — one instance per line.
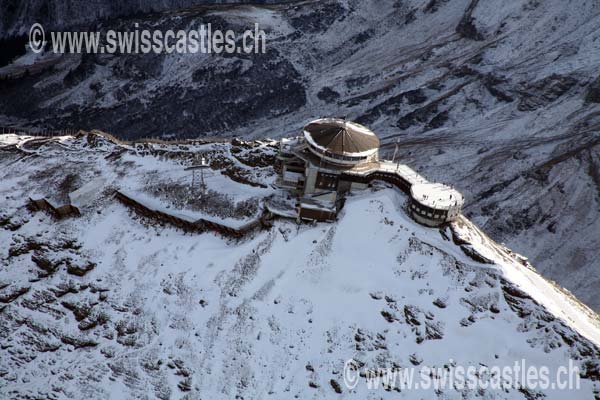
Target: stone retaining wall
(198,226)
(60,212)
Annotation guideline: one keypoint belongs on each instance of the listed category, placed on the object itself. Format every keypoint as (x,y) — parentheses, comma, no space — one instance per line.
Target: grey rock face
(511,120)
(17,16)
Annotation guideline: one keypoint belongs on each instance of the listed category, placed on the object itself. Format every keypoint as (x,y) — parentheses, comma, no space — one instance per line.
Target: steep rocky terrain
(17,16)
(498,98)
(114,305)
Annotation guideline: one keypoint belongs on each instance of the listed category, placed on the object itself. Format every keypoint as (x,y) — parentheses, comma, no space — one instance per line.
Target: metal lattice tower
(199,164)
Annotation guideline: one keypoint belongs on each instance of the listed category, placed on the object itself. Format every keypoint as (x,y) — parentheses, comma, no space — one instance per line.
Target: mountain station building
(333,157)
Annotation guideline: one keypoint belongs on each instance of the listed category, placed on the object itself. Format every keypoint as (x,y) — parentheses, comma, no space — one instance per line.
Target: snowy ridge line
(556,299)
(39,132)
(49,134)
(200,225)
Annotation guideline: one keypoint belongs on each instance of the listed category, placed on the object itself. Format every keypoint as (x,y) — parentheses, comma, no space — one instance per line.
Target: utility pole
(395,153)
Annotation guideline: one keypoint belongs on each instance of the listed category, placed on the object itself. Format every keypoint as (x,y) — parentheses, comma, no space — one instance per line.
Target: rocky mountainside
(111,304)
(17,16)
(498,98)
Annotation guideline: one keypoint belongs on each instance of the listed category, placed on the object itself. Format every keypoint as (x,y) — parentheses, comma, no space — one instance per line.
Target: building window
(326,181)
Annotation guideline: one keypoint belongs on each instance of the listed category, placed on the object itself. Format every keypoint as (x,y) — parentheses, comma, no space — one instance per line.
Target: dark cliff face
(162,94)
(16,16)
(508,114)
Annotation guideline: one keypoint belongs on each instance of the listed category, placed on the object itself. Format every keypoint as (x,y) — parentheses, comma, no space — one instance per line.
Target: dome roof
(341,137)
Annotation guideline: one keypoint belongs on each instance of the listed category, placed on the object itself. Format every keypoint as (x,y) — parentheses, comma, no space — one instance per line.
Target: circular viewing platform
(433,204)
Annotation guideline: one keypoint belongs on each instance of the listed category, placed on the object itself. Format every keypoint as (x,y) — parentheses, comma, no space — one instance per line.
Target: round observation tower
(433,204)
(341,142)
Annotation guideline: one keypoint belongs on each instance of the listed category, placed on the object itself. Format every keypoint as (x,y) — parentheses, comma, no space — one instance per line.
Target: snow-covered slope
(498,98)
(110,304)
